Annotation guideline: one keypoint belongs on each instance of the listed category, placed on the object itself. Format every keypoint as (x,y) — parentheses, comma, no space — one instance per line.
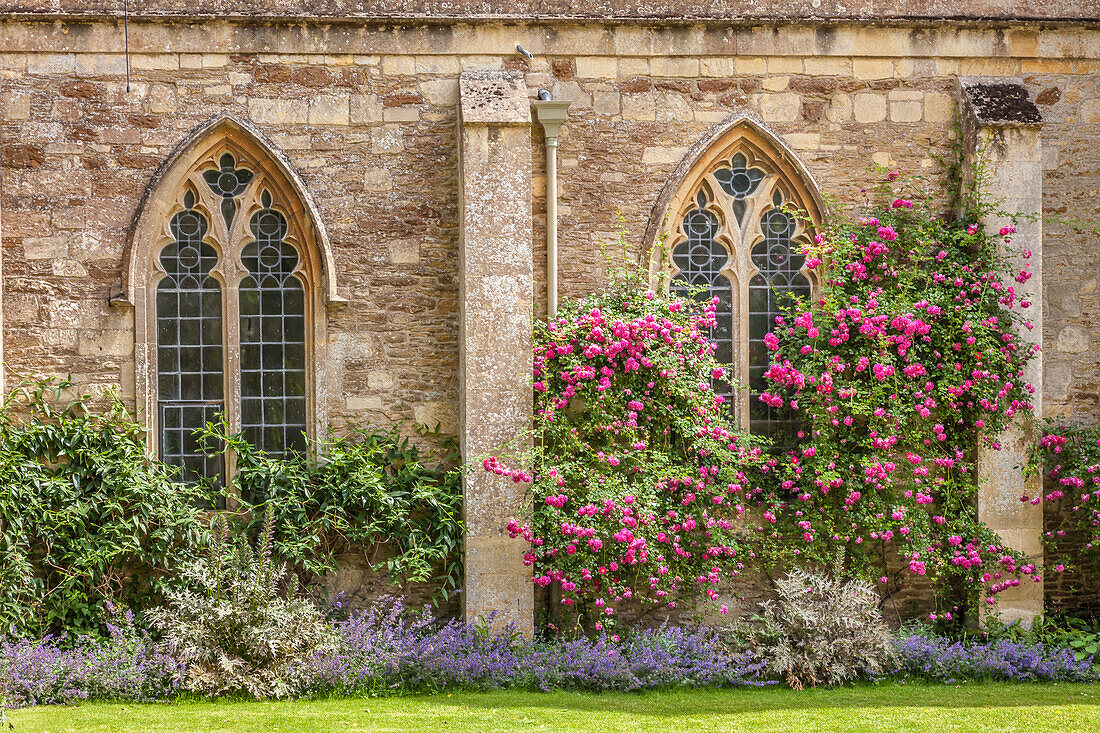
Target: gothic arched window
(228,304)
(736,226)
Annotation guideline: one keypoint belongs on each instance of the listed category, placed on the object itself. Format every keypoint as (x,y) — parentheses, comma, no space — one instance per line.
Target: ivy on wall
(87,517)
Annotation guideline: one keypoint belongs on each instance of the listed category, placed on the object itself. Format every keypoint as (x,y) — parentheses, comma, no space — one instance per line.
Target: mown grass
(882,708)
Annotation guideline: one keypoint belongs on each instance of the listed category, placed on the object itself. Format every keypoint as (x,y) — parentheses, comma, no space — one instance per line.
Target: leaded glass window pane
(740,181)
(700,260)
(779,262)
(229,182)
(273,361)
(189,345)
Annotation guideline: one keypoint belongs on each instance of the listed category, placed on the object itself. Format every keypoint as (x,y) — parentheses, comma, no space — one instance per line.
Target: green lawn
(883,708)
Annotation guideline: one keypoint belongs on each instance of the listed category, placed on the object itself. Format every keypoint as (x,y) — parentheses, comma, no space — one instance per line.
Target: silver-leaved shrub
(823,629)
(238,625)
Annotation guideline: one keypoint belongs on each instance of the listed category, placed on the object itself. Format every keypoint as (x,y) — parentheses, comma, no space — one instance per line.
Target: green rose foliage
(1068,457)
(906,364)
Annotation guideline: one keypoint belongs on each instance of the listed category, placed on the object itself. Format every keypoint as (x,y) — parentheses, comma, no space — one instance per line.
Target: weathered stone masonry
(365,106)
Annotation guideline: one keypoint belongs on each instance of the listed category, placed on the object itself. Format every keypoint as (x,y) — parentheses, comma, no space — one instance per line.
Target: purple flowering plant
(388,649)
(391,650)
(926,656)
(126,665)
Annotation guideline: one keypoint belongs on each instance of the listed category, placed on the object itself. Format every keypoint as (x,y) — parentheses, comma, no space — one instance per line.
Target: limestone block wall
(367,115)
(366,112)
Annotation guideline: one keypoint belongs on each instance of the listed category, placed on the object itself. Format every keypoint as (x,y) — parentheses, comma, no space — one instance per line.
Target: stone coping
(734,12)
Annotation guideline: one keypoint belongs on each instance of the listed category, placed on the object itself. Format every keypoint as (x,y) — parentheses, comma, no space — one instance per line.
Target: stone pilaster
(1001,134)
(496,292)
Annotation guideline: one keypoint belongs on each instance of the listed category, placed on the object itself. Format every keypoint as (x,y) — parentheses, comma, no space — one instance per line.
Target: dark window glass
(189,345)
(770,291)
(739,181)
(229,182)
(272,338)
(700,260)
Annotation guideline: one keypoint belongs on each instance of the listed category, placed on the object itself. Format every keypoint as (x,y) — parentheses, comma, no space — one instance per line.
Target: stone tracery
(227,303)
(735,227)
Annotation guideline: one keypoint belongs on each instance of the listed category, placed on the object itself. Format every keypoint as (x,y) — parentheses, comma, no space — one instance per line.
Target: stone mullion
(228,272)
(238,236)
(751,235)
(731,233)
(741,326)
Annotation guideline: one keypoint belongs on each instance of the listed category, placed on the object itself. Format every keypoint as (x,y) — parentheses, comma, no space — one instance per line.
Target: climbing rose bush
(639,476)
(909,358)
(907,361)
(1069,459)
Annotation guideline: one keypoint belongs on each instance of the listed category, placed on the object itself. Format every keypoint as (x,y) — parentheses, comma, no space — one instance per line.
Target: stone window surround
(142,271)
(738,134)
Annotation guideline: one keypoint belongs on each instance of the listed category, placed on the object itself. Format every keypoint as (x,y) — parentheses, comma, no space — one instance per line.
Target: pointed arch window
(735,225)
(227,307)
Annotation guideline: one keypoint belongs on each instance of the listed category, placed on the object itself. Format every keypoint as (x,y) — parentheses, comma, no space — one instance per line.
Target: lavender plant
(127,665)
(389,649)
(937,658)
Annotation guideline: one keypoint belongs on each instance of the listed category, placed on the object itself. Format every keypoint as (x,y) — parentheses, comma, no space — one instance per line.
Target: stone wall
(366,113)
(675,11)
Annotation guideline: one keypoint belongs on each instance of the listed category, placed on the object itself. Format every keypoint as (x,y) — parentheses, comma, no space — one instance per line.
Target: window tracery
(229,273)
(736,226)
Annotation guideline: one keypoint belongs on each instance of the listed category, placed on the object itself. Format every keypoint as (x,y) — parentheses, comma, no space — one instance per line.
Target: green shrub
(86,515)
(237,623)
(366,489)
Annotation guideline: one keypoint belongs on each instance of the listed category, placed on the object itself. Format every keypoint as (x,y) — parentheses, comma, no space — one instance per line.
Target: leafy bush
(1083,638)
(86,515)
(126,665)
(940,658)
(822,629)
(233,626)
(371,487)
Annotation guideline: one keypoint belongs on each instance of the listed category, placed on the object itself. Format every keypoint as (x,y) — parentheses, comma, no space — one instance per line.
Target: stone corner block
(493,97)
(997,100)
